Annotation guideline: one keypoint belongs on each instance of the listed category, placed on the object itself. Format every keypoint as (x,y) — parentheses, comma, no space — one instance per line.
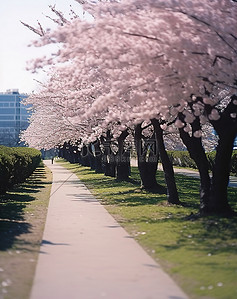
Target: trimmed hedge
(16,164)
(182,159)
(234,163)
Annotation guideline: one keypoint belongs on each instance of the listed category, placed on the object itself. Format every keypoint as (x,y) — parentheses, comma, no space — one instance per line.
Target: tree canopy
(136,61)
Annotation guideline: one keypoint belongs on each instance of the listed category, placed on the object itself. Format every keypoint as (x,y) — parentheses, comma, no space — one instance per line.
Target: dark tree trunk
(67,152)
(85,156)
(79,157)
(221,171)
(122,159)
(148,174)
(98,156)
(91,156)
(109,164)
(147,165)
(60,152)
(172,192)
(73,154)
(226,128)
(197,153)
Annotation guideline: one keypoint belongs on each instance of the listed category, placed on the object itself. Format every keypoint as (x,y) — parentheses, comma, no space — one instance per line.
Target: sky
(15,38)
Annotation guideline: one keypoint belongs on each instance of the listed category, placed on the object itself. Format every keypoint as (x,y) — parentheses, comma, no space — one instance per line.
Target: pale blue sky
(15,37)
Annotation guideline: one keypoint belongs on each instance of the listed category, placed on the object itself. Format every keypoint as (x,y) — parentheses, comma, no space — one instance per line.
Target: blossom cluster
(136,61)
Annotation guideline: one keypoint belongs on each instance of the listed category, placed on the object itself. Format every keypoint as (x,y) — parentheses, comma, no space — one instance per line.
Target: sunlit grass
(200,254)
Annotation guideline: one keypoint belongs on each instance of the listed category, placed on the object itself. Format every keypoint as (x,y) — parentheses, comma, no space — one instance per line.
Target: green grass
(200,254)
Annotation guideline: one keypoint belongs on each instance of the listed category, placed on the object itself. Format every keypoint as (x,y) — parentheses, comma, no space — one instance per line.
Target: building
(13,117)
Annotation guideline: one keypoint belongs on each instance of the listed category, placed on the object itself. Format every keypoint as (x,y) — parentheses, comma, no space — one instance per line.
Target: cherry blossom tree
(217,72)
(154,61)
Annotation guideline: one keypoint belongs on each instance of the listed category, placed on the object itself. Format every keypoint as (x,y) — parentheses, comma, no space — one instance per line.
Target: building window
(7,124)
(7,111)
(6,98)
(7,117)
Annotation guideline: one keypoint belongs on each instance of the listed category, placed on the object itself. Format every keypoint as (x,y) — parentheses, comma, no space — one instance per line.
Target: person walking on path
(86,254)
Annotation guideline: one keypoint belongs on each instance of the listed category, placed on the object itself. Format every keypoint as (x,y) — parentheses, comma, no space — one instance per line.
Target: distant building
(13,117)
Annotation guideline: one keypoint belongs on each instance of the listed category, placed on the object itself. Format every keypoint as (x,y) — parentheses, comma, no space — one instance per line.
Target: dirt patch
(23,212)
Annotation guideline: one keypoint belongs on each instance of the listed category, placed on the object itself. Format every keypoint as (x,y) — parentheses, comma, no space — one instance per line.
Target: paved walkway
(86,254)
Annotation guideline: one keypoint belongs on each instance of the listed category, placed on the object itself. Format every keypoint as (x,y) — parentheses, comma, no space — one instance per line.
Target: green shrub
(7,161)
(16,164)
(234,163)
(181,159)
(211,158)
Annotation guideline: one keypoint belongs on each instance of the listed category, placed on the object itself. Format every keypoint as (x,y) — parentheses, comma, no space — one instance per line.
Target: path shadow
(83,197)
(13,205)
(46,242)
(9,230)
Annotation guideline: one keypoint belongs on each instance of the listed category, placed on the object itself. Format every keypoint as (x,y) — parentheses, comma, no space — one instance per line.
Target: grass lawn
(200,255)
(22,217)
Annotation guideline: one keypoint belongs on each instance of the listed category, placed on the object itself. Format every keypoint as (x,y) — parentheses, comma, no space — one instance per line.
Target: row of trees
(158,73)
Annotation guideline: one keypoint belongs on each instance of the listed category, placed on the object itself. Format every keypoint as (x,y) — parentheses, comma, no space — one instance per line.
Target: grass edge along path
(23,213)
(200,255)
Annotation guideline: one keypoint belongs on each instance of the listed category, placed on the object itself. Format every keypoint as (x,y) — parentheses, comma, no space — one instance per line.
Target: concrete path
(86,254)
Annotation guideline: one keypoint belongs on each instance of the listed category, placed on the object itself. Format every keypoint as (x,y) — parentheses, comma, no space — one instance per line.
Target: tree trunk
(109,164)
(148,174)
(91,156)
(221,171)
(123,166)
(122,159)
(98,157)
(226,128)
(172,192)
(84,156)
(147,165)
(74,154)
(197,153)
